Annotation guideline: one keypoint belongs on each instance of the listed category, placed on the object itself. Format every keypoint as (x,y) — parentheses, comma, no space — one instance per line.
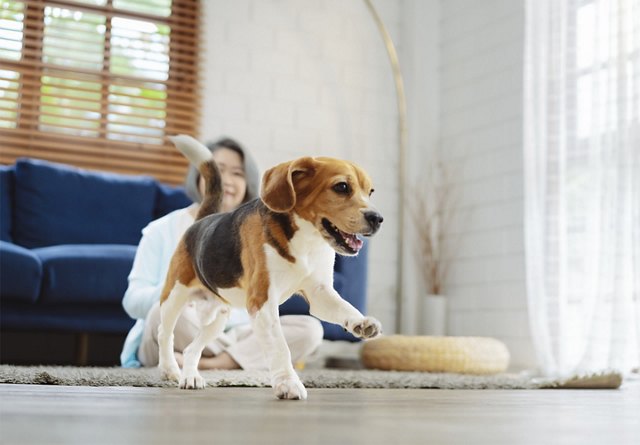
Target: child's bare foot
(220,361)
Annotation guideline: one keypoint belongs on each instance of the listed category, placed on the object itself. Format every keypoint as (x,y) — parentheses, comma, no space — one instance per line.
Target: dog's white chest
(313,256)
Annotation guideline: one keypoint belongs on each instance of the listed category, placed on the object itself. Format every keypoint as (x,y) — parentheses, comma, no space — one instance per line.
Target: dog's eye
(341,188)
(371,192)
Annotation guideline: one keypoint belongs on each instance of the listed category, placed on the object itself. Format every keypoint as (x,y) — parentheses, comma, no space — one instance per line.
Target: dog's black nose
(374,219)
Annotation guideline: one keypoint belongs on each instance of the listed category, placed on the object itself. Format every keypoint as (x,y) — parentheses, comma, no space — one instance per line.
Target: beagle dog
(262,253)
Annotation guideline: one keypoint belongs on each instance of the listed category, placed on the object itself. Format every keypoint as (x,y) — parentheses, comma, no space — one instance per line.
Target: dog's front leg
(326,304)
(284,380)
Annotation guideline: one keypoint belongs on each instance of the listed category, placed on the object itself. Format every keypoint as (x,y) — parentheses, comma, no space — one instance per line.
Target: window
(600,61)
(99,83)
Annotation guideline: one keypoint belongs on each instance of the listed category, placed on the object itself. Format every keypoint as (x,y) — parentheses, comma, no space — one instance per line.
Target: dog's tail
(201,157)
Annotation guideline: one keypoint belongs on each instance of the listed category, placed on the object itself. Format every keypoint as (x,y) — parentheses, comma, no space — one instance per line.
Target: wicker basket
(465,355)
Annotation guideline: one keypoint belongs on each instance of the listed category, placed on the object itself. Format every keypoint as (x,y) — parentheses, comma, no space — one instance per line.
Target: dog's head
(330,193)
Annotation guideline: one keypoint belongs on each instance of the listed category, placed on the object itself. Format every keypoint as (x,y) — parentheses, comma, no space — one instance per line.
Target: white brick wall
(290,78)
(481,133)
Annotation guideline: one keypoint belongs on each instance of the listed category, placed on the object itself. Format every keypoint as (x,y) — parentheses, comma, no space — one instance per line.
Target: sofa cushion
(20,273)
(6,201)
(58,204)
(87,274)
(169,199)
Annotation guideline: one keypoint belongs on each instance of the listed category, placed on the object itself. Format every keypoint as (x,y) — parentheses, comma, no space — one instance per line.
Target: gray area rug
(312,378)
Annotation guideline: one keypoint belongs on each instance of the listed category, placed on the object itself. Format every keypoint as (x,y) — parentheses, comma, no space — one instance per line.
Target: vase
(434,315)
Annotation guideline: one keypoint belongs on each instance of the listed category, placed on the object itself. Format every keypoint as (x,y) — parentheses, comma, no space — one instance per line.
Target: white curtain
(582,183)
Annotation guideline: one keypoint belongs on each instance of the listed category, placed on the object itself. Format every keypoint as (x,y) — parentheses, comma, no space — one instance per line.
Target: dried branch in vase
(432,210)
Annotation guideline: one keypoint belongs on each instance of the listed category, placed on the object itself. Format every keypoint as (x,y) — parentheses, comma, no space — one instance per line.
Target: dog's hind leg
(174,296)
(170,310)
(219,312)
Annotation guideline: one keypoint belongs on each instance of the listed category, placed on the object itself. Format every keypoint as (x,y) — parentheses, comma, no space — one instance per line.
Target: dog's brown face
(330,193)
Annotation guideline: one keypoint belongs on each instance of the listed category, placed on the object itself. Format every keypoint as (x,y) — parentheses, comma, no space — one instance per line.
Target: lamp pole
(402,152)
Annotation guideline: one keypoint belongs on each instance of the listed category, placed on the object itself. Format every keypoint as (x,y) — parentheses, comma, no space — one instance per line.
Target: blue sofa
(67,242)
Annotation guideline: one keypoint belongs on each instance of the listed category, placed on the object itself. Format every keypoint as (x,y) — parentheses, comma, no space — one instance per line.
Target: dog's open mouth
(348,241)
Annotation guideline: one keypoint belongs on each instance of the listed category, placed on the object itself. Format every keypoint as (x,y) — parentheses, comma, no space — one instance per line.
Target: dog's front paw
(367,327)
(290,388)
(192,380)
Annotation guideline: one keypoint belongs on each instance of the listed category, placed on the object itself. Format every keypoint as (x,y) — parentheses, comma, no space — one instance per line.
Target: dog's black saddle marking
(214,243)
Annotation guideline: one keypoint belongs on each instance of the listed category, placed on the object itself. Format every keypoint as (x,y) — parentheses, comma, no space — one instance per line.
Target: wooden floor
(81,415)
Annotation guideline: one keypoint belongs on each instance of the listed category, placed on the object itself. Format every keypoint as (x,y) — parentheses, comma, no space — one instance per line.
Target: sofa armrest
(20,273)
(7,178)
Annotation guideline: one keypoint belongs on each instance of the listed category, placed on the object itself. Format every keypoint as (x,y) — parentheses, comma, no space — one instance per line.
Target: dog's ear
(278,183)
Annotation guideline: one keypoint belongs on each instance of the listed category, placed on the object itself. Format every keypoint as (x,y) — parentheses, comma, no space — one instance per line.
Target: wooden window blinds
(99,83)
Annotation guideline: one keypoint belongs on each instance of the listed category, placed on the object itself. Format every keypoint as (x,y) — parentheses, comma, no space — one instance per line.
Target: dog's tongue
(354,242)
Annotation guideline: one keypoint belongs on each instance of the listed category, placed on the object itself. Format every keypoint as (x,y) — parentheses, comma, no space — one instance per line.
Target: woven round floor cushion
(465,355)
